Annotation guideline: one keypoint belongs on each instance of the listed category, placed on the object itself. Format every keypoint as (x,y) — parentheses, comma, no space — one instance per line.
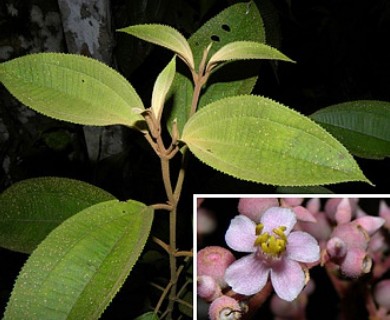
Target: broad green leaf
(72,88)
(162,86)
(164,36)
(362,126)
(256,139)
(77,270)
(148,316)
(243,50)
(32,208)
(239,22)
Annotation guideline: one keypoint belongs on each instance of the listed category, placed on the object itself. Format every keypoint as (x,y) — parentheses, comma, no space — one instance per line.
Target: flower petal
(302,247)
(288,279)
(241,234)
(278,216)
(247,275)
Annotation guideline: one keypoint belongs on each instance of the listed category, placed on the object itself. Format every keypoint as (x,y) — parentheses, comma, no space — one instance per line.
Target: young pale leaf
(241,21)
(162,86)
(72,88)
(243,50)
(256,139)
(362,126)
(77,270)
(32,208)
(164,36)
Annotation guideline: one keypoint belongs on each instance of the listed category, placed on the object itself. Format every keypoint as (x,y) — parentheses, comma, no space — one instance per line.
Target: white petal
(288,279)
(276,217)
(241,234)
(247,275)
(302,247)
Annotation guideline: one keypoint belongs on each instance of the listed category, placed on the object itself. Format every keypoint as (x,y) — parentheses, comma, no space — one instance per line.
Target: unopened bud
(382,294)
(254,208)
(207,288)
(225,308)
(336,248)
(212,261)
(356,263)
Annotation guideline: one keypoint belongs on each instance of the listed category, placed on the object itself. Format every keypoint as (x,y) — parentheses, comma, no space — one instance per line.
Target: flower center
(271,244)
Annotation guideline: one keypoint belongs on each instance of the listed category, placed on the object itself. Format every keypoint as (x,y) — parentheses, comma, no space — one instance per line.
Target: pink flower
(275,251)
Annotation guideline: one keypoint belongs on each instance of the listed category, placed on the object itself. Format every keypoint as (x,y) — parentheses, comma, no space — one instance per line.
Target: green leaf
(164,36)
(362,126)
(256,139)
(77,270)
(304,190)
(162,86)
(72,88)
(32,208)
(148,316)
(243,50)
(241,21)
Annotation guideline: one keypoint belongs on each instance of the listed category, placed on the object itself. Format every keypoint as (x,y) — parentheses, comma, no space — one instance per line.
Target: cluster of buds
(283,239)
(348,246)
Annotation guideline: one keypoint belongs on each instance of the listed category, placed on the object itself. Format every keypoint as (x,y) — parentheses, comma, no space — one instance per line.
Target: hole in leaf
(226,27)
(215,38)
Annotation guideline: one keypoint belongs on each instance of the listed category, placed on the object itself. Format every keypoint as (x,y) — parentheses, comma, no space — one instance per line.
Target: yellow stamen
(270,244)
(259,228)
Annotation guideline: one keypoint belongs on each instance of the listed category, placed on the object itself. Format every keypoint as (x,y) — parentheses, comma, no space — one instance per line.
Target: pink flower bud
(213,261)
(285,309)
(199,202)
(382,294)
(313,205)
(336,248)
(207,288)
(225,308)
(384,212)
(353,235)
(253,208)
(343,211)
(321,230)
(369,224)
(206,222)
(356,263)
(303,214)
(332,204)
(291,202)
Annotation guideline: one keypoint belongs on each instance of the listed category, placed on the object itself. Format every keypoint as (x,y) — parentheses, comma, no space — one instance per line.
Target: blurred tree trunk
(88,31)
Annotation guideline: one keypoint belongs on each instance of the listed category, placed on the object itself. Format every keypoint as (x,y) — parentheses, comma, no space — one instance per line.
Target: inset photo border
(291,256)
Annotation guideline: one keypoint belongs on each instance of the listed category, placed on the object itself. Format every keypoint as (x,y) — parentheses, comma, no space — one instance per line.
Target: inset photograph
(295,257)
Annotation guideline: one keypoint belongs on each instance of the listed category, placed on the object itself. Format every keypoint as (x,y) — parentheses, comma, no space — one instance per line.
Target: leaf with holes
(239,22)
(164,36)
(72,88)
(77,270)
(362,126)
(256,139)
(32,208)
